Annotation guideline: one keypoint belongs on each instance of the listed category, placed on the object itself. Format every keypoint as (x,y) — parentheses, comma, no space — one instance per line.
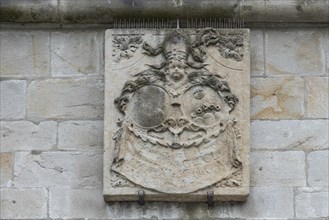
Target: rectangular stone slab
(176,120)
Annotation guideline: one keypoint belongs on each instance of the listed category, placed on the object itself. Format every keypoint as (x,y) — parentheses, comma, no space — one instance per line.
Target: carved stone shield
(176,114)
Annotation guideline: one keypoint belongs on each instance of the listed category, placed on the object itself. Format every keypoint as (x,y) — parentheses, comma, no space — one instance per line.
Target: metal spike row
(186,23)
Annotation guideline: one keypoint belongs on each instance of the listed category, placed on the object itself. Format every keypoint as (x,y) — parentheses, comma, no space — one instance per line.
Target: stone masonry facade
(52,101)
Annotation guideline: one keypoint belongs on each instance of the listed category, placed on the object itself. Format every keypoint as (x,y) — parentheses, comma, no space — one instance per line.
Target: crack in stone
(56,168)
(68,62)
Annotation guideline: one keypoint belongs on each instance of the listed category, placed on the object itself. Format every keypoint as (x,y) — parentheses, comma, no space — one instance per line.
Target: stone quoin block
(12,99)
(33,58)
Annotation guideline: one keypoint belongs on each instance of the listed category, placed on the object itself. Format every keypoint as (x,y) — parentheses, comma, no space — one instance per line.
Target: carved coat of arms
(173,124)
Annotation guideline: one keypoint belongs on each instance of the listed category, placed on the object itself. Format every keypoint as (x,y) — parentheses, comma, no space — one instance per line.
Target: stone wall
(104,12)
(52,83)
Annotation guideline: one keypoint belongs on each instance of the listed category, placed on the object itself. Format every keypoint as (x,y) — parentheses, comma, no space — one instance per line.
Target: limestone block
(33,58)
(294,52)
(24,135)
(312,202)
(318,168)
(278,168)
(65,99)
(317,99)
(80,135)
(327,49)
(290,134)
(6,169)
(256,53)
(176,121)
(157,210)
(277,98)
(77,203)
(58,169)
(76,53)
(263,203)
(23,203)
(13,99)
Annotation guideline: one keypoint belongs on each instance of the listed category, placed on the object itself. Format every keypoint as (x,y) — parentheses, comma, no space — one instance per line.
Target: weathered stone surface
(24,135)
(23,203)
(99,11)
(6,169)
(278,168)
(13,99)
(277,98)
(76,53)
(157,210)
(77,203)
(29,11)
(318,168)
(166,115)
(317,99)
(80,135)
(58,169)
(257,53)
(262,203)
(291,52)
(33,58)
(65,98)
(312,202)
(282,11)
(93,11)
(327,48)
(290,134)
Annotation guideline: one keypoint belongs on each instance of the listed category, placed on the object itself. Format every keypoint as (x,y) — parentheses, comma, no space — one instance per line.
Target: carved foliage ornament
(176,134)
(125,47)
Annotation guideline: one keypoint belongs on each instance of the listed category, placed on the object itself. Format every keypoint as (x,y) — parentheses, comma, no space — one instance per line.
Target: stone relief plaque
(176,115)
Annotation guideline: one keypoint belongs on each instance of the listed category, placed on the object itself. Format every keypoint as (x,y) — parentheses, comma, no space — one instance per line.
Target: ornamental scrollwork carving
(229,45)
(176,117)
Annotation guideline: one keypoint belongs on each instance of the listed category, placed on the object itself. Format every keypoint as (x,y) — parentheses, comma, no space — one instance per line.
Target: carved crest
(176,133)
